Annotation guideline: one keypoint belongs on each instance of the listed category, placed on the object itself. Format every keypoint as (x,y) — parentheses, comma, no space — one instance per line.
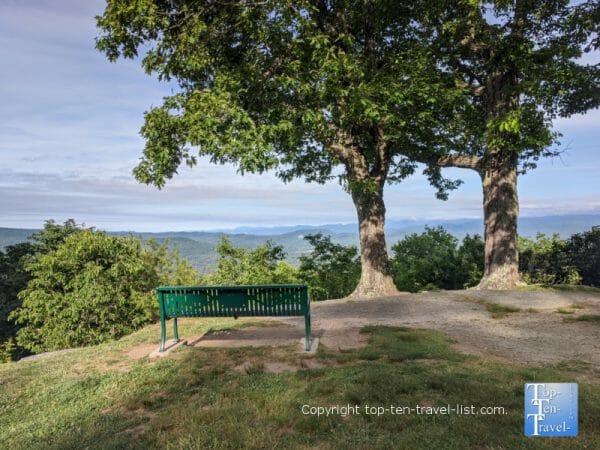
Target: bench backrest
(227,301)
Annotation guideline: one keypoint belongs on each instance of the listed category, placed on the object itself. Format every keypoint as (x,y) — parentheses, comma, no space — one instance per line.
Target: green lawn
(99,397)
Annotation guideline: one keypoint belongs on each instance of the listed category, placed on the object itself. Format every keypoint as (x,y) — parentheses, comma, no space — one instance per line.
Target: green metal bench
(232,301)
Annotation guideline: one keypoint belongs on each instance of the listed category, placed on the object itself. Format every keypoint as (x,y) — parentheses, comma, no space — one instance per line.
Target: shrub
(471,254)
(8,350)
(92,288)
(547,260)
(262,265)
(433,260)
(426,261)
(172,269)
(14,278)
(53,235)
(330,270)
(585,255)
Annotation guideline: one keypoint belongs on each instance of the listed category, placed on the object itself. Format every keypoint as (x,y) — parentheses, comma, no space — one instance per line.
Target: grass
(98,397)
(576,365)
(498,311)
(561,288)
(577,288)
(584,318)
(571,309)
(533,287)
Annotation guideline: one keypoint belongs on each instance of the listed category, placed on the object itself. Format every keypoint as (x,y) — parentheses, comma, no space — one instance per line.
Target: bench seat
(232,301)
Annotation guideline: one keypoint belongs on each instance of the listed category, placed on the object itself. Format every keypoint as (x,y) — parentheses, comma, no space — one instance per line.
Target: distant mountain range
(198,246)
(528,226)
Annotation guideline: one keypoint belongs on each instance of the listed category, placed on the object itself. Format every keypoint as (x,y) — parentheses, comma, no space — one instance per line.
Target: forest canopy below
(70,286)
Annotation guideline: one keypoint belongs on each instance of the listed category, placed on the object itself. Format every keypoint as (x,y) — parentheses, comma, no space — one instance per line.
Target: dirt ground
(538,333)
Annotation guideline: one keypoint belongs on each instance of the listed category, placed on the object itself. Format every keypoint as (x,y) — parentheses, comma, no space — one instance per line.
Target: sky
(69,139)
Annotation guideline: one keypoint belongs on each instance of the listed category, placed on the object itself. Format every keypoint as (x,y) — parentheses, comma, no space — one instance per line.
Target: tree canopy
(282,84)
(312,89)
(519,63)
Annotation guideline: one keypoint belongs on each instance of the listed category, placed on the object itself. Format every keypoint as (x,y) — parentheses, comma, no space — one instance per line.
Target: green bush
(8,350)
(547,260)
(426,261)
(585,255)
(53,235)
(14,278)
(470,259)
(92,288)
(172,269)
(262,265)
(433,260)
(330,270)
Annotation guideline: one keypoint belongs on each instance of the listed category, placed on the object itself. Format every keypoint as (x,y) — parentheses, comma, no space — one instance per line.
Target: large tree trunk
(501,210)
(499,178)
(376,277)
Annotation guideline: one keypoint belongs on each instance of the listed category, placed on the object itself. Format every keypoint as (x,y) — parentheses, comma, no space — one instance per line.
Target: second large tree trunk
(376,277)
(501,210)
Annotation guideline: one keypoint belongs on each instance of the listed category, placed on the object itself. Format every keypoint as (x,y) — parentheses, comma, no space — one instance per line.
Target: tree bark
(501,210)
(376,276)
(498,171)
(499,179)
(365,185)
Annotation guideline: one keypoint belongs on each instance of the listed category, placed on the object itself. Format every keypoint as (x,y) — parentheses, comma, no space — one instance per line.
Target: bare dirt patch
(101,365)
(277,335)
(281,362)
(140,351)
(311,363)
(525,336)
(336,339)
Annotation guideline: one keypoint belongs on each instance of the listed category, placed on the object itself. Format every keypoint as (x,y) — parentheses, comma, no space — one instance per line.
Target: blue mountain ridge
(198,247)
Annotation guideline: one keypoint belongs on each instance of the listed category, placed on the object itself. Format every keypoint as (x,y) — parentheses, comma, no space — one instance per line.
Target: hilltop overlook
(423,349)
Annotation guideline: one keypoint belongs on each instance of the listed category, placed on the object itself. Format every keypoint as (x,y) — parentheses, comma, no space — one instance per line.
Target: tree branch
(519,20)
(382,156)
(462,161)
(344,149)
(476,91)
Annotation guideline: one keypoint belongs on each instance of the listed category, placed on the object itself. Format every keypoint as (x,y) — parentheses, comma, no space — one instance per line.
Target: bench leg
(163,333)
(175,330)
(307,331)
